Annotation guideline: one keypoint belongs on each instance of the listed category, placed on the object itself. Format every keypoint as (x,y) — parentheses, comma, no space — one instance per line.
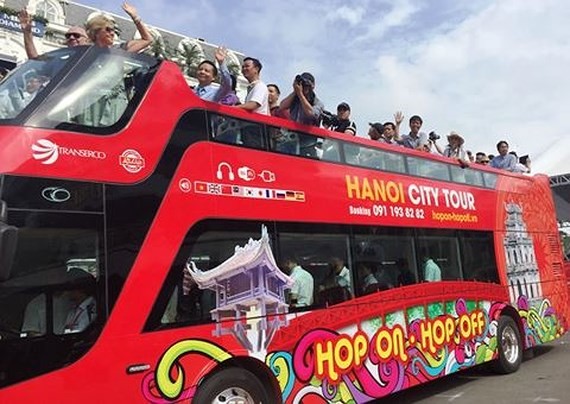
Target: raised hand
(25,20)
(221,54)
(398,118)
(130,10)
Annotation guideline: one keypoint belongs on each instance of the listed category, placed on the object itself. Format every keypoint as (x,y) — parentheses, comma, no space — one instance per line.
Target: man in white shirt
(256,99)
(342,274)
(303,283)
(73,311)
(432,271)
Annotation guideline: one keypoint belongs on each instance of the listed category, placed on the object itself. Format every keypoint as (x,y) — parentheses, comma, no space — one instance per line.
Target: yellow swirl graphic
(171,389)
(437,360)
(280,369)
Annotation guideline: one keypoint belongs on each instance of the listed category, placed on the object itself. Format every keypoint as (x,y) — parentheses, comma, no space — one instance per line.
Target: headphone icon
(220,174)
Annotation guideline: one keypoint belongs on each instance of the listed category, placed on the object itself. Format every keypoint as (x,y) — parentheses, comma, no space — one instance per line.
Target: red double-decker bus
(159,248)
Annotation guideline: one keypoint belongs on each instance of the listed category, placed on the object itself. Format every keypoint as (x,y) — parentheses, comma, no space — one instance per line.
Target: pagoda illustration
(250,294)
(522,269)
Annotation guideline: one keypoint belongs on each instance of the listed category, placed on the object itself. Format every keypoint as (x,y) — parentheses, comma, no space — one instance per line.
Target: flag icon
(201,187)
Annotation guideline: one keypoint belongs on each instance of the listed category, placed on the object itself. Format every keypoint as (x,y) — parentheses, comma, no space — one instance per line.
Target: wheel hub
(233,395)
(510,344)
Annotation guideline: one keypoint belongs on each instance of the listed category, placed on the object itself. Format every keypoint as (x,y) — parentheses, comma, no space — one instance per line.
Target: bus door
(51,273)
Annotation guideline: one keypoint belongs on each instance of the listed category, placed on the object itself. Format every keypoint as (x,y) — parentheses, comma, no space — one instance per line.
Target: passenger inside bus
(73,308)
(6,107)
(405,276)
(301,293)
(385,274)
(342,273)
(431,271)
(14,101)
(369,283)
(337,287)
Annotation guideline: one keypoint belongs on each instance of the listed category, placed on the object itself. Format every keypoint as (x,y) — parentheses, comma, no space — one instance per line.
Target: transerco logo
(47,152)
(131,160)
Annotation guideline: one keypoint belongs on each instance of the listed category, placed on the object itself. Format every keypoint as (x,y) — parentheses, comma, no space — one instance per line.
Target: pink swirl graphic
(151,394)
(303,358)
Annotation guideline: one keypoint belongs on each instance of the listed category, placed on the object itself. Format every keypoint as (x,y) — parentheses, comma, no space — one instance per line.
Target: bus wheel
(232,386)
(510,346)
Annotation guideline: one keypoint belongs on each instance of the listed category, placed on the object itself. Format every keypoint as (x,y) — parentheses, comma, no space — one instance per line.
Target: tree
(234,69)
(188,57)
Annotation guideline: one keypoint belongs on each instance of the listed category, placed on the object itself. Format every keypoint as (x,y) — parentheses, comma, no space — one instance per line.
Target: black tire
(232,383)
(510,346)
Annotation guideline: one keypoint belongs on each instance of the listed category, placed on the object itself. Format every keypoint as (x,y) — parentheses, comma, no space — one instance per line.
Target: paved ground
(544,378)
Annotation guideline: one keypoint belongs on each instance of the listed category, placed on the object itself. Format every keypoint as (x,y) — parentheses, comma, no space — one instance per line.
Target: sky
(489,69)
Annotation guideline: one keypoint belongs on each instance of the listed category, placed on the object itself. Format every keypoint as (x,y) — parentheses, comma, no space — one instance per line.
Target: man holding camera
(431,146)
(302,104)
(339,122)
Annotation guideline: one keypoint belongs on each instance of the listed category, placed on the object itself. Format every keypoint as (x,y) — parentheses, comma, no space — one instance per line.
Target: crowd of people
(300,105)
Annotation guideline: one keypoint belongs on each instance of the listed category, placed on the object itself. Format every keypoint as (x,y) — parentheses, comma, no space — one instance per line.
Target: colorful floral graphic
(541,325)
(381,356)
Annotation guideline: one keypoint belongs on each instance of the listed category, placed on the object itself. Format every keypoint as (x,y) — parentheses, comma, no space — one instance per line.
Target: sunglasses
(73,35)
(109,29)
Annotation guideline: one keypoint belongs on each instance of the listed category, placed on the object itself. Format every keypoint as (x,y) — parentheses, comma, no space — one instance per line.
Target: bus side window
(490,180)
(478,256)
(405,275)
(442,248)
(371,158)
(72,307)
(310,146)
(331,150)
(332,284)
(466,176)
(206,246)
(429,169)
(383,259)
(225,129)
(284,141)
(351,153)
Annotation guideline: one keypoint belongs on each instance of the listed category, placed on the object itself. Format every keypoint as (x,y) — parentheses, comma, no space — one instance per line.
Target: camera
(433,136)
(303,81)
(329,119)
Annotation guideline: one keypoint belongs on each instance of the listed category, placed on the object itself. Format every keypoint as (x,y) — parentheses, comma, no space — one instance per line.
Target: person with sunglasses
(74,36)
(101,30)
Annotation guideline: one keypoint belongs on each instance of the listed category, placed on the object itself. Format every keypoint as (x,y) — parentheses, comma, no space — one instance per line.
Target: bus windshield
(22,86)
(61,92)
